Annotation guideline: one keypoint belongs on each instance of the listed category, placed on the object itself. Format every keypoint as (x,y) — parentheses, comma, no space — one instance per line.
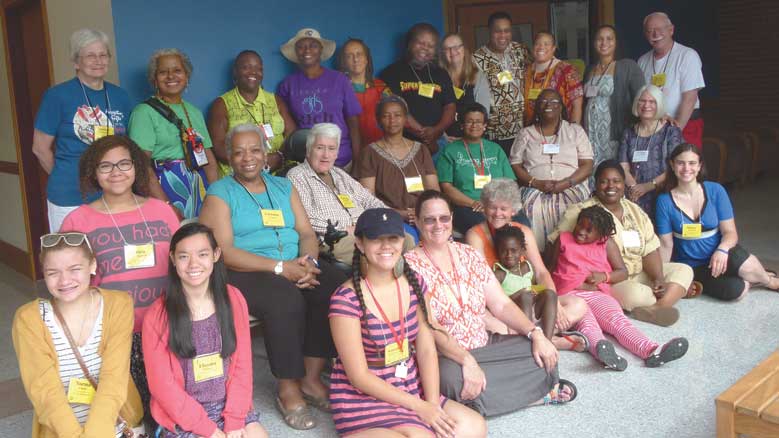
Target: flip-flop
(695,289)
(556,400)
(609,357)
(299,418)
(569,336)
(320,403)
(672,350)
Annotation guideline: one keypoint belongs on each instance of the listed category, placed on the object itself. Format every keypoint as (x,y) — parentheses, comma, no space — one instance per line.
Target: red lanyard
(479,169)
(399,338)
(458,296)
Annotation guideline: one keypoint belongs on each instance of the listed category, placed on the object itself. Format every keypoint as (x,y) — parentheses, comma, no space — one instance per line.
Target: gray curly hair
(502,189)
(151,69)
(239,129)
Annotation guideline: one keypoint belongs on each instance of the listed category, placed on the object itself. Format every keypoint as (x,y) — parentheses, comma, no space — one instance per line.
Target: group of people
(147,323)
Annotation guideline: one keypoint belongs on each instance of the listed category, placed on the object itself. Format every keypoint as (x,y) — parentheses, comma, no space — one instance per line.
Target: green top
(155,134)
(515,282)
(455,167)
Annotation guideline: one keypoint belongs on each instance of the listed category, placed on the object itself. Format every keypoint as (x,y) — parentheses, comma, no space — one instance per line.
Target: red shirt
(369,126)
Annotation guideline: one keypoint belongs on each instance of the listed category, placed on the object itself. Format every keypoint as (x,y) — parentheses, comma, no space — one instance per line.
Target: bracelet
(530,183)
(724,251)
(654,183)
(608,277)
(281,154)
(530,333)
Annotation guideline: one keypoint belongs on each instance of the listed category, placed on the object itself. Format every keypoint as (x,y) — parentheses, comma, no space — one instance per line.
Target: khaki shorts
(636,291)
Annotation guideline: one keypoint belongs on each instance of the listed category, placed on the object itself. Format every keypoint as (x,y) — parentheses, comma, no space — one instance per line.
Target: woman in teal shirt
(463,172)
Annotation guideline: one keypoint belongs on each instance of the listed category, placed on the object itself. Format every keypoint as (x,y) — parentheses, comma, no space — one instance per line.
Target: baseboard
(17,259)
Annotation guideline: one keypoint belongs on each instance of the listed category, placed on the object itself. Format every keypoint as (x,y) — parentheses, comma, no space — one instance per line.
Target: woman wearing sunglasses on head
(67,343)
(129,231)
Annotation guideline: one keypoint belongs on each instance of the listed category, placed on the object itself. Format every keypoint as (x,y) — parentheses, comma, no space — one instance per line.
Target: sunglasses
(431,220)
(71,239)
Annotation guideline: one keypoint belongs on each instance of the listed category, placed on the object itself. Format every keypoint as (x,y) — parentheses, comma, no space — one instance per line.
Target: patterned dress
(597,121)
(564,78)
(354,411)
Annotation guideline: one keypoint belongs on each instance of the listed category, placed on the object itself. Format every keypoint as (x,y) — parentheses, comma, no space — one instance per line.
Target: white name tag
(590,91)
(401,370)
(200,157)
(631,239)
(268,130)
(551,148)
(640,156)
(414,184)
(139,256)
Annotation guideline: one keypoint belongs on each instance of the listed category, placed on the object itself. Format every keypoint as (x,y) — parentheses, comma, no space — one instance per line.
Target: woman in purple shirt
(316,94)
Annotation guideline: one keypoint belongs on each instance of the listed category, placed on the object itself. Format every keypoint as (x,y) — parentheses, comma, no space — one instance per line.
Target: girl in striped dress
(385,380)
(585,263)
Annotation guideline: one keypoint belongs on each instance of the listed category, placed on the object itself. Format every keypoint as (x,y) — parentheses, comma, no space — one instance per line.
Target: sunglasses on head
(71,239)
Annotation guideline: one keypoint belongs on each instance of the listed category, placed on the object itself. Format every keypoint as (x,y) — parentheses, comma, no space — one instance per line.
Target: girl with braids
(385,379)
(585,263)
(491,373)
(197,346)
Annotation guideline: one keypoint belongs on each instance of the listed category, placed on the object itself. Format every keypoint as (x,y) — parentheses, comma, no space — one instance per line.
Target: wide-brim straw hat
(288,48)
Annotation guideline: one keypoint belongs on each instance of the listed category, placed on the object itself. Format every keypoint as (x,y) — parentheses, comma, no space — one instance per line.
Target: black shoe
(609,357)
(672,350)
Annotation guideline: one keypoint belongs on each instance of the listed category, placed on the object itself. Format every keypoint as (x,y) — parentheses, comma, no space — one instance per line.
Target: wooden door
(469,19)
(26,36)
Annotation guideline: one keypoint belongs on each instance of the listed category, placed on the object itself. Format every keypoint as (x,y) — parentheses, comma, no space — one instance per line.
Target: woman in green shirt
(173,134)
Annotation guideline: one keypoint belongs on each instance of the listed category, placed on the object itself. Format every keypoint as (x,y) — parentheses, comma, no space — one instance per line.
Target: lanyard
(89,103)
(483,165)
(333,191)
(543,139)
(429,75)
(459,295)
(270,201)
(117,226)
(600,77)
(396,161)
(248,105)
(549,70)
(668,58)
(399,337)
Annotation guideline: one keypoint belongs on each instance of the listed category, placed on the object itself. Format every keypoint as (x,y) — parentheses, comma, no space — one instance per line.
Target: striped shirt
(354,411)
(68,365)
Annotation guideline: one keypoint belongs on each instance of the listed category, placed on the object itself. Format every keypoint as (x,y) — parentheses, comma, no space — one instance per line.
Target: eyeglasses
(453,48)
(473,122)
(71,239)
(549,102)
(92,57)
(431,220)
(108,167)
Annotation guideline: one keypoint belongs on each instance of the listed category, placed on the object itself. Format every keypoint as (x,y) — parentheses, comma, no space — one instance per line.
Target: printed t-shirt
(157,135)
(369,98)
(455,166)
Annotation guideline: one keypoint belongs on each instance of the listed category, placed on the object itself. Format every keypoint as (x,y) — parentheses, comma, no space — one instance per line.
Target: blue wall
(696,25)
(213,32)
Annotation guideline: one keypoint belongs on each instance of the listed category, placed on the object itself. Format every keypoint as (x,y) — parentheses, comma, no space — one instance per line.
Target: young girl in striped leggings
(585,263)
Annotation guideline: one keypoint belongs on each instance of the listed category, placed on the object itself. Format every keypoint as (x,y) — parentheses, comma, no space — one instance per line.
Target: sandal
(320,403)
(556,399)
(695,289)
(609,357)
(299,418)
(672,350)
(574,337)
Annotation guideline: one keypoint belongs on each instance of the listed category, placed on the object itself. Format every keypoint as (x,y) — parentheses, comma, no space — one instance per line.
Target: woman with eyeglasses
(553,159)
(72,115)
(78,321)
(129,231)
(463,171)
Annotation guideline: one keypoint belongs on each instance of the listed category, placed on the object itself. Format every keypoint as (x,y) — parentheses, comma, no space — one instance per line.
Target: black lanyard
(89,103)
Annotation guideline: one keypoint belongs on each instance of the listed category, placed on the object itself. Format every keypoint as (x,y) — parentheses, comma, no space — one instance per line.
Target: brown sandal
(299,418)
(320,403)
(695,289)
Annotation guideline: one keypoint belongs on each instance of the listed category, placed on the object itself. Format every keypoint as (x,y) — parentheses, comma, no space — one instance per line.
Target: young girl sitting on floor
(587,262)
(516,276)
(197,347)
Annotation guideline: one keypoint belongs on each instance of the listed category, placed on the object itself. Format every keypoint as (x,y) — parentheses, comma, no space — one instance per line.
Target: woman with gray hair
(72,115)
(173,134)
(646,146)
(328,193)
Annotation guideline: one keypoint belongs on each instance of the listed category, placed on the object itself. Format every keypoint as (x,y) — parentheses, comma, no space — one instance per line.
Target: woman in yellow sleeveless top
(247,102)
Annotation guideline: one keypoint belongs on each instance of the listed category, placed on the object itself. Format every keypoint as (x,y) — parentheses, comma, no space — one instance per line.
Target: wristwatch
(279,268)
(530,333)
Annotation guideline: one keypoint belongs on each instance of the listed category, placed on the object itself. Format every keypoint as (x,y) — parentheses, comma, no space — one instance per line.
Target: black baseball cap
(376,222)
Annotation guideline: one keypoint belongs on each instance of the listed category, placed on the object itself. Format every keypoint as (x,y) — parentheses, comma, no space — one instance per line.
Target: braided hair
(509,231)
(600,219)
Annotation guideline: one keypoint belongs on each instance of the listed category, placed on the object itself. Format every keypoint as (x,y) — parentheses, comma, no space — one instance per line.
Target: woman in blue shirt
(696,226)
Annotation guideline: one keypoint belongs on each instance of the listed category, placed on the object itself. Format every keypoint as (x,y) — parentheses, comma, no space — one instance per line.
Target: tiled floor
(726,340)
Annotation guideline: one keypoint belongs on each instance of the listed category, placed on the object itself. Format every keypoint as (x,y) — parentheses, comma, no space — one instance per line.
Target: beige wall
(65,16)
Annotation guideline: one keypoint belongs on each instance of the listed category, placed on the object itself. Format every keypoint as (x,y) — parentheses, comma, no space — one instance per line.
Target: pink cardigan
(170,403)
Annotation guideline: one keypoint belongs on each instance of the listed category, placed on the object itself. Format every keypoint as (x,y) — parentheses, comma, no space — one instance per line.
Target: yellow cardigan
(39,369)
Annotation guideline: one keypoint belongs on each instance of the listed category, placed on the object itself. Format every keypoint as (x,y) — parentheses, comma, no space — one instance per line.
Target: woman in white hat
(316,94)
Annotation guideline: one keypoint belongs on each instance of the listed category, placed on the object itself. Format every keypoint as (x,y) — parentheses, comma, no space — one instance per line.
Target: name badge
(80,391)
(272,218)
(268,130)
(590,91)
(533,93)
(414,184)
(505,77)
(479,181)
(393,354)
(207,367)
(200,156)
(658,80)
(640,156)
(401,370)
(631,239)
(346,200)
(103,131)
(691,230)
(458,92)
(426,90)
(139,256)
(551,148)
